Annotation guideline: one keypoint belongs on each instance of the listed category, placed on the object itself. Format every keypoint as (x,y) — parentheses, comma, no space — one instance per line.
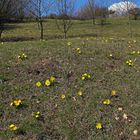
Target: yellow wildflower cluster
(135,52)
(16,103)
(130,62)
(85,76)
(106,102)
(48,82)
(36,114)
(23,56)
(78,50)
(13,127)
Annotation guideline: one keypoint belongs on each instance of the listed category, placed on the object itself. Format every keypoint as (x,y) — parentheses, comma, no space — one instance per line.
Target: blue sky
(110,2)
(80,3)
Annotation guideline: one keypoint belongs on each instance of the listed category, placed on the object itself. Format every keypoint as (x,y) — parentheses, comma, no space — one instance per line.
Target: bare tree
(129,6)
(10,9)
(123,9)
(40,8)
(65,11)
(102,11)
(102,14)
(135,12)
(92,8)
(84,12)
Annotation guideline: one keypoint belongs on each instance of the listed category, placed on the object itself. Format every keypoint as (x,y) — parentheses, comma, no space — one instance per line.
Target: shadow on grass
(49,37)
(17,39)
(9,27)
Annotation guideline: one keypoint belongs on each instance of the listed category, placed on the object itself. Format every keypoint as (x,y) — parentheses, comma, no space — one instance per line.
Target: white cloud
(122,7)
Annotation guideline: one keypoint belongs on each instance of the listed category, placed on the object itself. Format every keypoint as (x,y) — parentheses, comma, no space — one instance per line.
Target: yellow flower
(89,76)
(83,78)
(85,74)
(38,84)
(36,114)
(133,52)
(52,78)
(16,103)
(113,93)
(138,52)
(99,125)
(78,50)
(2,43)
(12,127)
(19,56)
(24,56)
(47,83)
(130,62)
(106,102)
(69,43)
(110,55)
(80,93)
(63,96)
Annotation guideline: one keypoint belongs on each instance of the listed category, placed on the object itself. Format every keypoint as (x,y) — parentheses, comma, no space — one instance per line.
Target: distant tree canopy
(11,9)
(135,12)
(99,12)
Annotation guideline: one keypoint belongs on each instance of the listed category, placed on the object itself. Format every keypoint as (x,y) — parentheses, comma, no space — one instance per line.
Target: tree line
(63,11)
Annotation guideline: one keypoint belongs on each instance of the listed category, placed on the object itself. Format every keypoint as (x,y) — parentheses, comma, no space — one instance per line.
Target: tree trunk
(135,17)
(65,35)
(1,35)
(129,20)
(41,30)
(130,27)
(1,30)
(93,21)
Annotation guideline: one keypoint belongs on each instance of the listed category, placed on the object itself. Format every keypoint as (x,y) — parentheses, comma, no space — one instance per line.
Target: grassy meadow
(115,27)
(83,88)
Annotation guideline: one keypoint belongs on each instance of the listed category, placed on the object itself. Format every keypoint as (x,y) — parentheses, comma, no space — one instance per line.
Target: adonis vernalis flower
(99,125)
(106,102)
(38,84)
(36,114)
(16,103)
(13,127)
(63,96)
(48,83)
